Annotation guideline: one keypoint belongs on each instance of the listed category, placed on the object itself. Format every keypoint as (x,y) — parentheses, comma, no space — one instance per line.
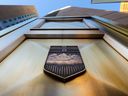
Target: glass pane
(75,24)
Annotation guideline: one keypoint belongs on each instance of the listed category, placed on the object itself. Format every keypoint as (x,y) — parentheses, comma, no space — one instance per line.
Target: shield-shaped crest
(64,63)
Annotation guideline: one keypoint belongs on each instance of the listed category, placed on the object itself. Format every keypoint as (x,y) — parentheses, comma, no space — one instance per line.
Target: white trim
(59,9)
(117,46)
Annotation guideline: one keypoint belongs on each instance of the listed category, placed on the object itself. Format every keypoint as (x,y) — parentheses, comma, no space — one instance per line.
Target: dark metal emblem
(64,63)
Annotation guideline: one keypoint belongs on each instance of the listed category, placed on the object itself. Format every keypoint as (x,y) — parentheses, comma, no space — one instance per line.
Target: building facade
(124,7)
(56,45)
(14,14)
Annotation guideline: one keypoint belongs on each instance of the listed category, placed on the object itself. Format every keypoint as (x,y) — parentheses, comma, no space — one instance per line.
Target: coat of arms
(64,63)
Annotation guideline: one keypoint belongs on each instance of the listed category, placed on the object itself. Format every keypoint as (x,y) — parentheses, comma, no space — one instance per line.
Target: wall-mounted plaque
(64,63)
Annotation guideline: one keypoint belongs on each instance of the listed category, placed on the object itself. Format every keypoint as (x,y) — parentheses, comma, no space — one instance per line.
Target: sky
(45,6)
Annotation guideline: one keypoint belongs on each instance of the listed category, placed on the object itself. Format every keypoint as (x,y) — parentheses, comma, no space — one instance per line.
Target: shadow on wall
(84,85)
(107,65)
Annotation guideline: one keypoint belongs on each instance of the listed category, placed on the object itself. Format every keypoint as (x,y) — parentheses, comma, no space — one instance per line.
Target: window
(8,26)
(0,28)
(10,20)
(15,18)
(4,21)
(19,17)
(67,24)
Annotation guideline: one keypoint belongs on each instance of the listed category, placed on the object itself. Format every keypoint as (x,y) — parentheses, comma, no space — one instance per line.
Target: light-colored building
(124,7)
(101,39)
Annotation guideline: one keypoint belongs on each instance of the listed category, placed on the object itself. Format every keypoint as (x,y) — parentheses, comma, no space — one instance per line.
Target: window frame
(64,19)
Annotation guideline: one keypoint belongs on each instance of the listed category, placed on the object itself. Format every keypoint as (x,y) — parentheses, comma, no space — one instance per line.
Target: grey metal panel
(72,11)
(116,15)
(123,21)
(76,11)
(107,1)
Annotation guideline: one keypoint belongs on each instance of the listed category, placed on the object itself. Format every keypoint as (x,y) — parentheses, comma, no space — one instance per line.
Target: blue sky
(45,6)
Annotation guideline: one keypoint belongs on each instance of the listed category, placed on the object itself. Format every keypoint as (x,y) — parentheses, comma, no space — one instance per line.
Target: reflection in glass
(73,24)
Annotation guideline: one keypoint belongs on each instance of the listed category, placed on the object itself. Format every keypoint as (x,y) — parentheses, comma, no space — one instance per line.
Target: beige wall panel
(21,73)
(106,64)
(65,34)
(10,41)
(10,47)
